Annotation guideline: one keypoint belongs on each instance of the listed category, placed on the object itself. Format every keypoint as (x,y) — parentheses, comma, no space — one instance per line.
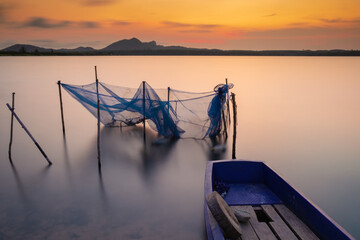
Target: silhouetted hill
(25,48)
(131,44)
(134,46)
(78,49)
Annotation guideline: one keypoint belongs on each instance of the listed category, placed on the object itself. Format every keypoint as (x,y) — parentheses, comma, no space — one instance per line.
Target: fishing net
(172,113)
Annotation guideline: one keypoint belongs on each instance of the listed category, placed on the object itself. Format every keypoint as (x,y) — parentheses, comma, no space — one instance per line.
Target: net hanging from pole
(172,113)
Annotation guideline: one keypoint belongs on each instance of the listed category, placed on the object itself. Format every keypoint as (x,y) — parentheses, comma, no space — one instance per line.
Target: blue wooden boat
(277,210)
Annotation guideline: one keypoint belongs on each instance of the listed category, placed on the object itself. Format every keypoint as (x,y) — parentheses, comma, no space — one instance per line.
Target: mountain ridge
(134,46)
(121,45)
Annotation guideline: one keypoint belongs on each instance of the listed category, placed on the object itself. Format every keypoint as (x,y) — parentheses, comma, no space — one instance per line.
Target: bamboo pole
(234,127)
(227,102)
(144,110)
(98,118)
(98,133)
(27,131)
(12,125)
(168,98)
(223,116)
(61,108)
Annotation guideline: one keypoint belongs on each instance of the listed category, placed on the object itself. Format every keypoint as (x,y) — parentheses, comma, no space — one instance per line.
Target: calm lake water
(300,115)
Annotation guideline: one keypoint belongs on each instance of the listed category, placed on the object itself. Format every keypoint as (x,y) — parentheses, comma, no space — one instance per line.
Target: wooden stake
(144,110)
(98,133)
(98,118)
(224,120)
(168,101)
(227,102)
(223,117)
(12,124)
(61,108)
(234,127)
(27,131)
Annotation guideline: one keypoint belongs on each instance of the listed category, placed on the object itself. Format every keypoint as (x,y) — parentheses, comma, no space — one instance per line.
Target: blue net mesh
(174,114)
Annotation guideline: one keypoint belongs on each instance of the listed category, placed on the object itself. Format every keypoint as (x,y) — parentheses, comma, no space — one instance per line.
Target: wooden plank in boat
(261,229)
(278,225)
(247,231)
(296,225)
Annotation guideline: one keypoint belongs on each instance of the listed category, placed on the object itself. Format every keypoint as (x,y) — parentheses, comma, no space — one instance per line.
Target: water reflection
(44,173)
(127,145)
(103,194)
(144,186)
(67,168)
(218,147)
(19,184)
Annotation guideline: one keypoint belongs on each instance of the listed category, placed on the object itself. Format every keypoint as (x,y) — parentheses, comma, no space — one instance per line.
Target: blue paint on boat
(254,183)
(250,194)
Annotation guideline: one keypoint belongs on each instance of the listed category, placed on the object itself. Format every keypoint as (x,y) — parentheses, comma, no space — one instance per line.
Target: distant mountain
(134,46)
(81,49)
(131,44)
(78,49)
(26,48)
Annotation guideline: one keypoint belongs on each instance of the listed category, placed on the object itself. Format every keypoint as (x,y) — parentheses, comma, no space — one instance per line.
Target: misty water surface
(298,114)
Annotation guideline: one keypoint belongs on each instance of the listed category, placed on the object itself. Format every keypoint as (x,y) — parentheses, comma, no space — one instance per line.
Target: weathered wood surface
(262,230)
(247,230)
(283,224)
(280,228)
(296,225)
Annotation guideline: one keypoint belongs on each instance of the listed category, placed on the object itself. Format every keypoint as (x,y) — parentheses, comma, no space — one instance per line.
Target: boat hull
(241,175)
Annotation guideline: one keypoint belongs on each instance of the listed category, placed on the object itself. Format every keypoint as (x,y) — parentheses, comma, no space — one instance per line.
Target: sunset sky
(226,24)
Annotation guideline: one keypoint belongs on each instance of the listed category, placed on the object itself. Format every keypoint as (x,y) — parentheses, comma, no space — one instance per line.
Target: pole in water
(12,125)
(27,131)
(61,108)
(168,100)
(98,133)
(144,110)
(227,102)
(234,122)
(223,115)
(98,118)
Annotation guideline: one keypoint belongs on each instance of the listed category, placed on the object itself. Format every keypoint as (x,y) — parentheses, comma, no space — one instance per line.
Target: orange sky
(226,24)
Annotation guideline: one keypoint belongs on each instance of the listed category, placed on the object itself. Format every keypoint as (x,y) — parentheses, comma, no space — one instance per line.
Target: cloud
(87,24)
(339,20)
(271,15)
(4,9)
(96,3)
(45,41)
(2,13)
(305,33)
(121,23)
(298,24)
(189,25)
(195,31)
(40,22)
